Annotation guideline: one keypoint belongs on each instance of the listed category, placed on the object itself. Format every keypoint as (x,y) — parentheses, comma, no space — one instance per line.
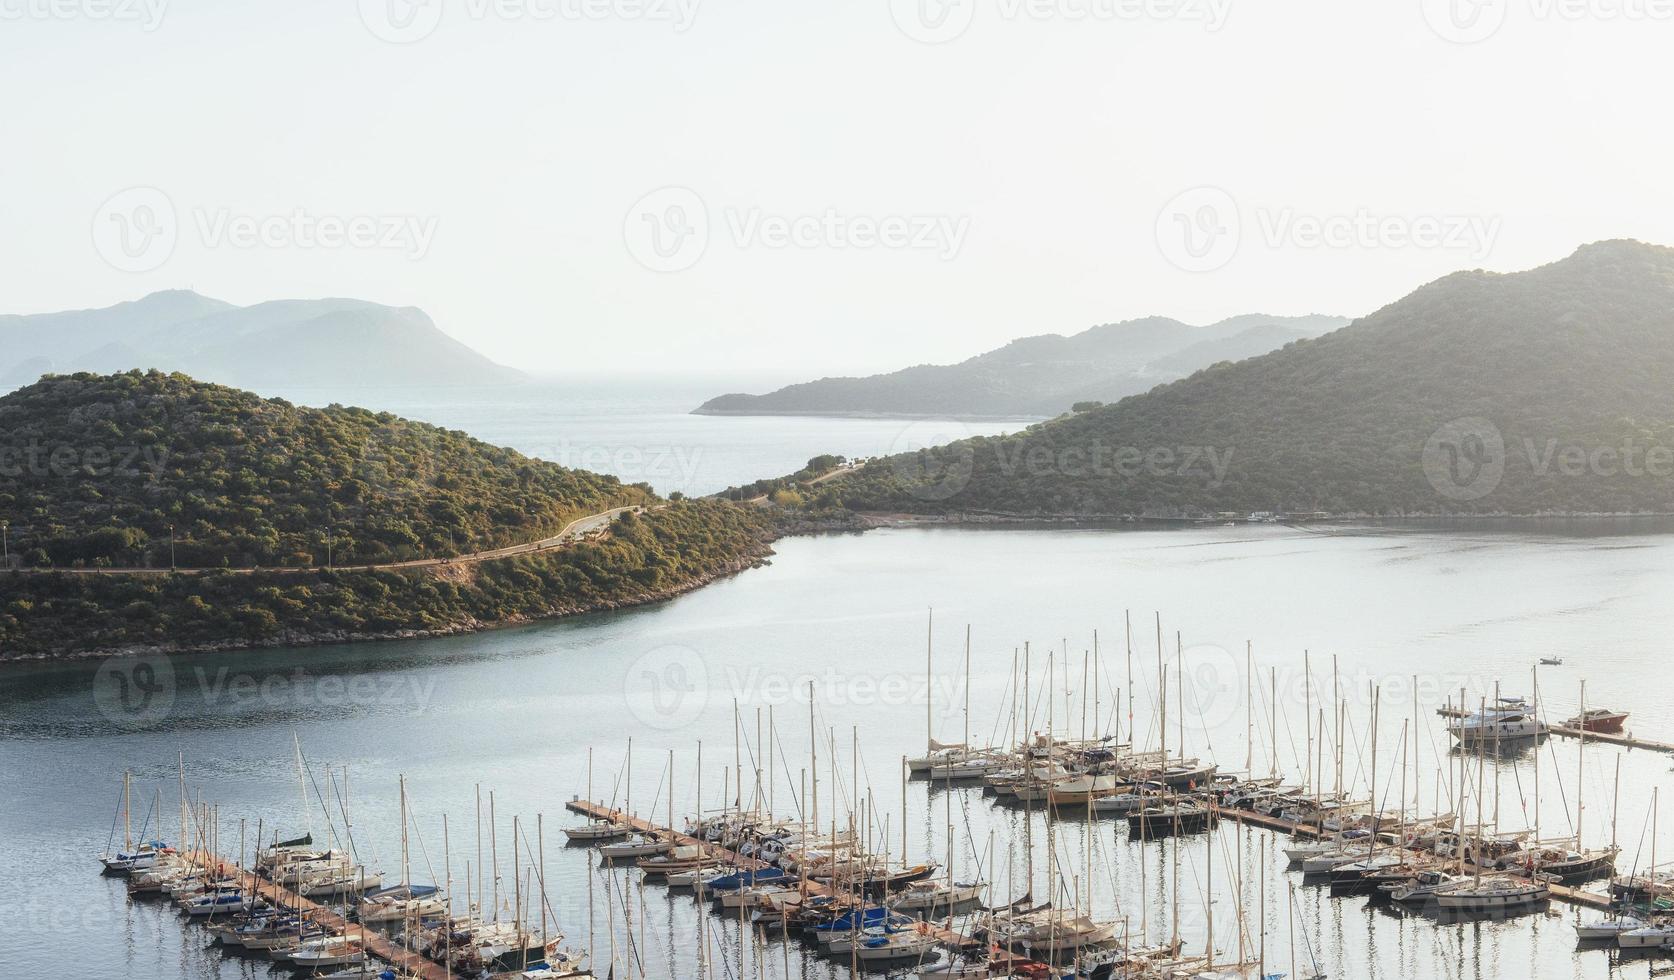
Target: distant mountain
(281,343)
(1537,392)
(1038,376)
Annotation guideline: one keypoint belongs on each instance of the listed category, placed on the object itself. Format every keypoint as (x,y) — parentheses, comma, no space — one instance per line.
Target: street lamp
(5,545)
(171,548)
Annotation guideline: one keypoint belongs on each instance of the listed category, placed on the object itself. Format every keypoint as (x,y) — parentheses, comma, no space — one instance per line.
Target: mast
(1580,769)
(1249,710)
(929,682)
(1127,631)
(967,739)
(1308,723)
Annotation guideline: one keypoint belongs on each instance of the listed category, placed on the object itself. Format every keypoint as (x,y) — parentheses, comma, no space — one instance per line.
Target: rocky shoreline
(333,638)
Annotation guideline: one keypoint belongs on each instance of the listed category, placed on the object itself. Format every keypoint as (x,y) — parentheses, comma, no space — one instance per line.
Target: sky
(817,186)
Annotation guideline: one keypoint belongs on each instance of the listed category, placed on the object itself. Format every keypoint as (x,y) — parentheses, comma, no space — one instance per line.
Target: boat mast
(1249,711)
(929,682)
(1127,631)
(967,739)
(1580,769)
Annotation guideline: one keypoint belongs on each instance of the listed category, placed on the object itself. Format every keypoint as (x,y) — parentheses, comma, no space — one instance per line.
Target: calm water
(644,430)
(516,711)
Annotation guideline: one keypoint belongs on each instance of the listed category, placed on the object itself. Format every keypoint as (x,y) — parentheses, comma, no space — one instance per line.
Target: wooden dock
(1563,893)
(1625,740)
(944,937)
(375,943)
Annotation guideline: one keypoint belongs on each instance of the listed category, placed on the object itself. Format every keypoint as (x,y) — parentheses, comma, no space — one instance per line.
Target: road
(572,532)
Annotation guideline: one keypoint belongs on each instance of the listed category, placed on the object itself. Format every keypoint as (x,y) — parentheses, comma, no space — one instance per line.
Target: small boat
(1507,720)
(327,951)
(636,846)
(398,902)
(1607,930)
(1496,894)
(598,830)
(1551,661)
(1423,887)
(1653,936)
(1601,720)
(890,947)
(1182,817)
(927,896)
(223,902)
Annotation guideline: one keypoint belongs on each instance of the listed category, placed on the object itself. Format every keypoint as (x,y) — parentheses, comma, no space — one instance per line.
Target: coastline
(331,638)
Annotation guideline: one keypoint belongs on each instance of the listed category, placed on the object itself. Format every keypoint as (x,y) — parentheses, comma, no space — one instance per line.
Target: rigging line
(779,741)
(325,808)
(343,808)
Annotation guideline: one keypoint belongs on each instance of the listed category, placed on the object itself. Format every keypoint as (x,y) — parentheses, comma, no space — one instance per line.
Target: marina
(1143,881)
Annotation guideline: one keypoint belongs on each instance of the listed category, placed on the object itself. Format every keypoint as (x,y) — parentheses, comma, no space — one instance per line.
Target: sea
(1316,652)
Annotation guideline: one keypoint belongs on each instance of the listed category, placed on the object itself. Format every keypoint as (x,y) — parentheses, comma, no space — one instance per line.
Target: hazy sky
(721,184)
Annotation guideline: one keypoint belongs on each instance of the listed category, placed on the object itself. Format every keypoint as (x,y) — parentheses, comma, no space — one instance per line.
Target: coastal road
(574,531)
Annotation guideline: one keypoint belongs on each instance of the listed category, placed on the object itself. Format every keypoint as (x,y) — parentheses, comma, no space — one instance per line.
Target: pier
(375,943)
(1563,893)
(1626,740)
(952,941)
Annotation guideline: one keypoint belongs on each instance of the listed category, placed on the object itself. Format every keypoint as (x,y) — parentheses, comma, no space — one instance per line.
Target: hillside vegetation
(1537,392)
(94,469)
(644,558)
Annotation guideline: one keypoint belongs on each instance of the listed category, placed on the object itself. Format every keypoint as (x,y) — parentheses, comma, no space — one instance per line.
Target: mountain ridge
(1040,375)
(333,340)
(1534,392)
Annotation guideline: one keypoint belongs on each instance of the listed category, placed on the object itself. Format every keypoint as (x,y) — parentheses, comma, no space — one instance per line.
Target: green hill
(1543,391)
(100,466)
(95,469)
